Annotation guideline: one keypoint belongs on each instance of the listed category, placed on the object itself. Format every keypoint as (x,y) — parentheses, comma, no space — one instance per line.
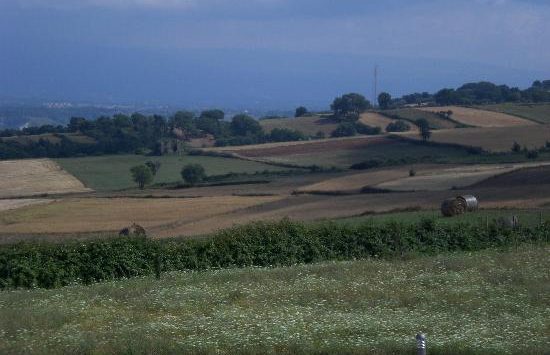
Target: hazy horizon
(270,54)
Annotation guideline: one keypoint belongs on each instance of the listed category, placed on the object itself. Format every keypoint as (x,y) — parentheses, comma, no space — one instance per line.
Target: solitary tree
(142,175)
(300,111)
(193,173)
(424,127)
(349,106)
(154,166)
(384,100)
(244,125)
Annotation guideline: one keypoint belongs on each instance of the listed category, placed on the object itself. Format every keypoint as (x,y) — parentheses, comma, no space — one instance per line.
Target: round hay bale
(452,207)
(470,202)
(133,230)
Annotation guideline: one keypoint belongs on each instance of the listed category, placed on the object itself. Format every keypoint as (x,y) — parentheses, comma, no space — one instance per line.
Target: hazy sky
(269,53)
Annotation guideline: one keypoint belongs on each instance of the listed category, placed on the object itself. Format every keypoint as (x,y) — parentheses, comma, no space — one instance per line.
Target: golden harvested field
(34,177)
(495,139)
(377,120)
(307,125)
(480,118)
(353,183)
(81,215)
(21,202)
(440,179)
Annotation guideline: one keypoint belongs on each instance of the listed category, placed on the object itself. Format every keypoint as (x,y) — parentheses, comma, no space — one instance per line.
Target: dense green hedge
(258,244)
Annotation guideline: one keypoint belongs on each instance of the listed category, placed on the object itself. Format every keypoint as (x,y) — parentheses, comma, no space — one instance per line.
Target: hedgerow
(49,265)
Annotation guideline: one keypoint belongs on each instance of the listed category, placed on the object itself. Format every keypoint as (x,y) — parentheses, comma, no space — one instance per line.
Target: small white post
(421,344)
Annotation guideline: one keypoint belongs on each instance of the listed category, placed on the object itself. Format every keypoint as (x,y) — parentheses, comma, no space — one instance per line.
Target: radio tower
(375,84)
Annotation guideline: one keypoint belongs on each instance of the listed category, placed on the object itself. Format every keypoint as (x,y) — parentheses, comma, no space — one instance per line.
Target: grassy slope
(411,115)
(344,158)
(525,217)
(113,172)
(485,302)
(535,112)
(307,125)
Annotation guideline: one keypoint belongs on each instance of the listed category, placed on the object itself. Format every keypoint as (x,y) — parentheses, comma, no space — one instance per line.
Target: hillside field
(112,172)
(487,302)
(30,177)
(343,152)
(480,118)
(539,113)
(413,114)
(495,139)
(309,126)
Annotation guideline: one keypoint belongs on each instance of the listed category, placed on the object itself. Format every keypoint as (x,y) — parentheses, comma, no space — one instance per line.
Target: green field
(112,172)
(483,302)
(528,218)
(396,150)
(411,115)
(534,112)
(309,126)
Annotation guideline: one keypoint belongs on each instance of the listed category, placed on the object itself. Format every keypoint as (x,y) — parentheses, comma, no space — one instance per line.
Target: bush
(398,126)
(344,129)
(259,244)
(532,154)
(193,173)
(368,164)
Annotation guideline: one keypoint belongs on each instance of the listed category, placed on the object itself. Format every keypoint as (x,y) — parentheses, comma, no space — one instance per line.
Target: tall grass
(487,302)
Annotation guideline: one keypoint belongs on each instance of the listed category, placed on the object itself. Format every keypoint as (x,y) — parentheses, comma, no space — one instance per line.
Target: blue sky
(264,53)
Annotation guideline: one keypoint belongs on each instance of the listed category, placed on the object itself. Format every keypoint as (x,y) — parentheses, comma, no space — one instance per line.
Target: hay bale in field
(134,230)
(470,202)
(452,207)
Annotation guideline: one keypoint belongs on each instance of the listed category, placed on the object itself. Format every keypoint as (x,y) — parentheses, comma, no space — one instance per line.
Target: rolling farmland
(36,177)
(495,139)
(480,118)
(539,113)
(309,126)
(112,172)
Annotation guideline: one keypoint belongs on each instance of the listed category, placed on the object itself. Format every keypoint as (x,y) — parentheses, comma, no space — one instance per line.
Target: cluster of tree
(349,107)
(398,126)
(479,93)
(349,129)
(129,134)
(144,174)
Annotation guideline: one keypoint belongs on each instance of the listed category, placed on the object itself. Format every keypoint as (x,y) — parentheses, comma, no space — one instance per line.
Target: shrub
(398,126)
(259,244)
(532,154)
(516,148)
(193,173)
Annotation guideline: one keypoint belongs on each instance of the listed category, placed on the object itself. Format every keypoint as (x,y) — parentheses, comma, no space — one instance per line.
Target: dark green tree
(215,114)
(384,100)
(154,166)
(193,173)
(142,175)
(350,106)
(424,128)
(300,111)
(244,125)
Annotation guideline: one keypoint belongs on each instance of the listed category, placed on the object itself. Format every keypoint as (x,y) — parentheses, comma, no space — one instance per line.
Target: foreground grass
(112,172)
(485,302)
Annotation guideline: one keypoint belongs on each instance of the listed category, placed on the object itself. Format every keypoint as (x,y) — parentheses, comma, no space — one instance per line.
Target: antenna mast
(375,84)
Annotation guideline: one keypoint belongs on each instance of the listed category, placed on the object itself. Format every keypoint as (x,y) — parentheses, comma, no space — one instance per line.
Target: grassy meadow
(526,217)
(112,172)
(535,112)
(488,302)
(396,150)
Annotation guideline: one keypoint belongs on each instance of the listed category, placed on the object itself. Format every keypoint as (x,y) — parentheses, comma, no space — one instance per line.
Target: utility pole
(375,84)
